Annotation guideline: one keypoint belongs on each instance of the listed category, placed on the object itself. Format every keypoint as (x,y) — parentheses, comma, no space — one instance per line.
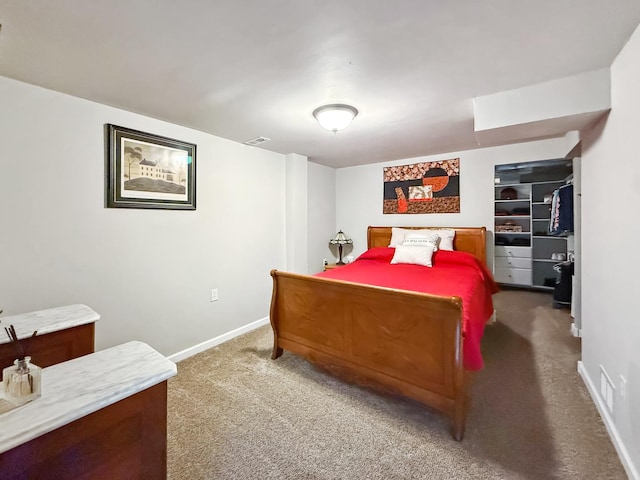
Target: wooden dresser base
(125,440)
(54,347)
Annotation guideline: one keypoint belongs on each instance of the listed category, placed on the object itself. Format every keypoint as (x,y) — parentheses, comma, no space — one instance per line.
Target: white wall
(610,257)
(296,201)
(322,214)
(148,272)
(360,189)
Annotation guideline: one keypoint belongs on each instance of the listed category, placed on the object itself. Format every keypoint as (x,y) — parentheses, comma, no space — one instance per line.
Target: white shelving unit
(513,263)
(527,257)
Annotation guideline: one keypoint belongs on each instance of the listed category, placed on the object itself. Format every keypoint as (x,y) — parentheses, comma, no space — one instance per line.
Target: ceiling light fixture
(335,117)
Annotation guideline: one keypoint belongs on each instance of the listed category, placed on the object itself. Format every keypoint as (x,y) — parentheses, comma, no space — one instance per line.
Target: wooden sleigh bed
(396,341)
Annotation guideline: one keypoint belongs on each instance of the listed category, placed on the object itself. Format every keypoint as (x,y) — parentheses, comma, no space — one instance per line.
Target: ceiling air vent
(257,141)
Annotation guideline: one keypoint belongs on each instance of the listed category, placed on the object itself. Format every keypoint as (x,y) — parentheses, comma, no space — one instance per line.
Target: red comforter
(453,274)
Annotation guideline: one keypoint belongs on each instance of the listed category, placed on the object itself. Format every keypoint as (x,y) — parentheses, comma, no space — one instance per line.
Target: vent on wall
(606,389)
(257,141)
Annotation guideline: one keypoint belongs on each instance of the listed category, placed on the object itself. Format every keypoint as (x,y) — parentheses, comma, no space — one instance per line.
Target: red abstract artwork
(426,187)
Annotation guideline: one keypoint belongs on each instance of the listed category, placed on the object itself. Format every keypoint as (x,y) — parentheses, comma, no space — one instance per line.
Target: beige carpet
(236,414)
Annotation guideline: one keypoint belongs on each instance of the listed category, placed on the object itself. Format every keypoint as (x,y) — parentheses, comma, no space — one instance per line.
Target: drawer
(506,251)
(517,262)
(516,276)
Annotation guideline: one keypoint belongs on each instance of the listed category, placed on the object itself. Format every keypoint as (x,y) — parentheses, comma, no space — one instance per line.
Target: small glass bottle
(21,381)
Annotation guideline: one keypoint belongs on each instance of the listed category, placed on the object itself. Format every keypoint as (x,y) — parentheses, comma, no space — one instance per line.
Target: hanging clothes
(561,221)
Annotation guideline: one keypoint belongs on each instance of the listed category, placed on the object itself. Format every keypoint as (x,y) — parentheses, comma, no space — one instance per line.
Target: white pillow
(446,238)
(422,238)
(398,234)
(415,254)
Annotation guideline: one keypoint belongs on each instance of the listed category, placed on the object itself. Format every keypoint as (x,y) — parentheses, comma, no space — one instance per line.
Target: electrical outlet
(214,295)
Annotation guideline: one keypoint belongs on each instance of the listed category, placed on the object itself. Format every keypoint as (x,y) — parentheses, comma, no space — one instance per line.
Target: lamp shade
(340,239)
(335,117)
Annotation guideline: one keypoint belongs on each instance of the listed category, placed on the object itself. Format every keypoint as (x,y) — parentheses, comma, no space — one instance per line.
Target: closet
(533,222)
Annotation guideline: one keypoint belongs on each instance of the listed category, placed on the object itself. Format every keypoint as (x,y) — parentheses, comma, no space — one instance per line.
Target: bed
(391,339)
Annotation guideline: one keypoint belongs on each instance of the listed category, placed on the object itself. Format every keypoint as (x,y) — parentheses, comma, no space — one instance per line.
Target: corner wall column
(296,212)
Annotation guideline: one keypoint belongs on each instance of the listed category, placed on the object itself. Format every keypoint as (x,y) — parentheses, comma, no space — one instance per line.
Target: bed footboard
(403,342)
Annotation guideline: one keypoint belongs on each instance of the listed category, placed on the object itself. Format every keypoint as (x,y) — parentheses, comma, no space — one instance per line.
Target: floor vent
(257,141)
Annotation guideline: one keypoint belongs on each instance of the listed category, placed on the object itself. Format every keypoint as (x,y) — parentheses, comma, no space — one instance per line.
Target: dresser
(100,416)
(513,265)
(64,333)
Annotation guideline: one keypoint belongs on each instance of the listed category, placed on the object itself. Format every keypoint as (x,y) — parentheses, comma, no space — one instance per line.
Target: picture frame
(149,171)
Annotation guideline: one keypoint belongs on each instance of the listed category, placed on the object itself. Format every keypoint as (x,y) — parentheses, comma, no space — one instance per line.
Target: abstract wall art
(425,187)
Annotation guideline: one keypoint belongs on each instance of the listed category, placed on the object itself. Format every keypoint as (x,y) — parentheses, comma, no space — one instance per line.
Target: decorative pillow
(446,238)
(422,238)
(415,254)
(398,234)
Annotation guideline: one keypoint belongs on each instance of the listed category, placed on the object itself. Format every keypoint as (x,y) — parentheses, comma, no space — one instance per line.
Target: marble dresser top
(74,389)
(47,321)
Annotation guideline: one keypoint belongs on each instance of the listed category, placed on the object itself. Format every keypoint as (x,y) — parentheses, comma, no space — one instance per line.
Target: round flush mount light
(336,116)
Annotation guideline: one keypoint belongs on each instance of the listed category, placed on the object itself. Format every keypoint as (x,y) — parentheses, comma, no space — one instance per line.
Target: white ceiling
(241,69)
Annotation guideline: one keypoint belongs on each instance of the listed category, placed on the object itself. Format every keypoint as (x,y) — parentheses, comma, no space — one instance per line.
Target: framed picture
(149,171)
(426,187)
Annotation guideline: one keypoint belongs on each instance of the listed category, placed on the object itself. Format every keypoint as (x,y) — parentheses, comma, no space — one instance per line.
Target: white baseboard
(575,331)
(225,337)
(627,463)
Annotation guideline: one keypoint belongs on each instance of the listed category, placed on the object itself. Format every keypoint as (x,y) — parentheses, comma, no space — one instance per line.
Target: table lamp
(340,239)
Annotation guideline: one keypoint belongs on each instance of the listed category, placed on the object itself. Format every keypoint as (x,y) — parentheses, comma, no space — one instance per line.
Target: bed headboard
(468,239)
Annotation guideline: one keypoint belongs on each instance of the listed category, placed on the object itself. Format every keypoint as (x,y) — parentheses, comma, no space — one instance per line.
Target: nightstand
(331,266)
